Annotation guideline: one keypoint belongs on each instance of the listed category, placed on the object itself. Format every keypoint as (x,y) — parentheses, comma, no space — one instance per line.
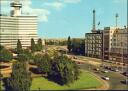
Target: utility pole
(122,44)
(127,46)
(102,47)
(116,52)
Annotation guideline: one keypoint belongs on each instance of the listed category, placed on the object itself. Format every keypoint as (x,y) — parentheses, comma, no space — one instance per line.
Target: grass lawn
(1,86)
(86,81)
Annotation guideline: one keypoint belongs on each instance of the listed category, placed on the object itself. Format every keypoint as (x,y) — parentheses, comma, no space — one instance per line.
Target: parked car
(106,78)
(105,71)
(125,74)
(116,70)
(126,81)
(96,69)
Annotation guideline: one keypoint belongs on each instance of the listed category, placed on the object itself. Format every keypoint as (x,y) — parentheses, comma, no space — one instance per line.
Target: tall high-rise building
(17,26)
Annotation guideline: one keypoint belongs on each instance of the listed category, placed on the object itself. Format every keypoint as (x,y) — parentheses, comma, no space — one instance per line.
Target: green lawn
(1,85)
(86,81)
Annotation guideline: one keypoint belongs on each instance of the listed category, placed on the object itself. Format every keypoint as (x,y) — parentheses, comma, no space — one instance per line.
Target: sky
(63,18)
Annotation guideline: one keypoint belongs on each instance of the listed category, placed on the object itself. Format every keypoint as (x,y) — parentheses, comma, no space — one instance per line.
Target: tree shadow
(3,66)
(35,70)
(56,79)
(123,82)
(6,85)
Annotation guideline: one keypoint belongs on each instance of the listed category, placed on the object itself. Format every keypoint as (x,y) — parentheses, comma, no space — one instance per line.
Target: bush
(5,55)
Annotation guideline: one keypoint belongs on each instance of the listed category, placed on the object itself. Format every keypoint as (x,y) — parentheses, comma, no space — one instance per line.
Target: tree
(69,44)
(64,71)
(5,55)
(78,46)
(19,47)
(20,79)
(33,45)
(28,53)
(39,44)
(43,62)
(1,47)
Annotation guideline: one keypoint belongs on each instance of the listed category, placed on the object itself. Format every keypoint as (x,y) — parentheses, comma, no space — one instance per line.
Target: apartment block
(94,44)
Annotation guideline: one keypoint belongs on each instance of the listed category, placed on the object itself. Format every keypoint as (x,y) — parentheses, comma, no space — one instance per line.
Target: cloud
(43,12)
(40,12)
(72,1)
(4,2)
(57,5)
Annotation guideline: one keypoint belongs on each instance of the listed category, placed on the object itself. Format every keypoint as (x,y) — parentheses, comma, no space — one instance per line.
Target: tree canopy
(60,68)
(19,47)
(20,79)
(5,55)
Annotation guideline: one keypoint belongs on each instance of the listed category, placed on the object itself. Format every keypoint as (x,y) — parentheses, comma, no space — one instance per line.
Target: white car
(105,71)
(116,70)
(106,78)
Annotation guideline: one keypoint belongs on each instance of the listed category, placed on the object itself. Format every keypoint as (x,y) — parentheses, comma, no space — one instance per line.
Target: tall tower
(17,8)
(116,19)
(94,21)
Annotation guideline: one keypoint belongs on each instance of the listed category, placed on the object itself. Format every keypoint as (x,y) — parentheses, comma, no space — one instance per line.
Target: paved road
(115,77)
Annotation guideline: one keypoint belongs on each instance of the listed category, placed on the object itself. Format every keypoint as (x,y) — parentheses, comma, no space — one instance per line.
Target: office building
(17,26)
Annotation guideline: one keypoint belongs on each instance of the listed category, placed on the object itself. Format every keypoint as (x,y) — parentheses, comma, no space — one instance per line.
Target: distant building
(115,43)
(17,26)
(114,46)
(94,41)
(94,44)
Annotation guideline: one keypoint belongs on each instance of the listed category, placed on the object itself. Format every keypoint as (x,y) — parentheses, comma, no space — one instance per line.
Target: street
(116,78)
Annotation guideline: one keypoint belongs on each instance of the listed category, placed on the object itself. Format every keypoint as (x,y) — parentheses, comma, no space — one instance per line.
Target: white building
(115,43)
(17,26)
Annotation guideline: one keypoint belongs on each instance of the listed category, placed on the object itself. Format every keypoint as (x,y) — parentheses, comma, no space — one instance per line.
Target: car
(116,70)
(96,69)
(126,81)
(125,74)
(105,71)
(75,57)
(106,78)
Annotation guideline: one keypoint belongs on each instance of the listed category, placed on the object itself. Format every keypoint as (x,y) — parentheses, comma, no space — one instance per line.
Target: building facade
(94,44)
(118,44)
(17,26)
(109,44)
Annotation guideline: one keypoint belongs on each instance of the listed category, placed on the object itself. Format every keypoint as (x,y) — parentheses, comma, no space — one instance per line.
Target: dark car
(125,74)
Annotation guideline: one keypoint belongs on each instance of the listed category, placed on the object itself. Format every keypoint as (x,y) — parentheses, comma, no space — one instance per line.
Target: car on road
(105,71)
(74,57)
(106,78)
(116,70)
(125,74)
(126,81)
(96,69)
